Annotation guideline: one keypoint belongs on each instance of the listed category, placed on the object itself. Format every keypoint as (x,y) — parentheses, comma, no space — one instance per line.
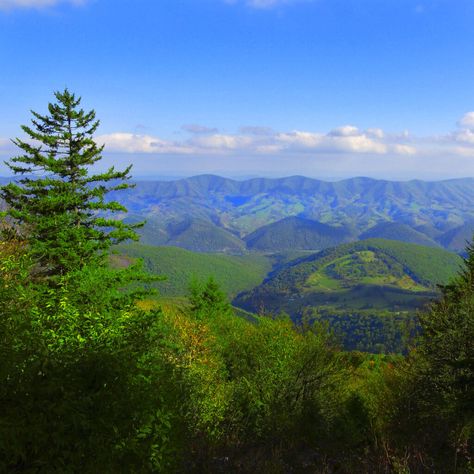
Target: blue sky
(325,88)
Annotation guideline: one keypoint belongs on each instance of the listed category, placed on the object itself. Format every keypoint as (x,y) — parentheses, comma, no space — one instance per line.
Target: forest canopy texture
(96,376)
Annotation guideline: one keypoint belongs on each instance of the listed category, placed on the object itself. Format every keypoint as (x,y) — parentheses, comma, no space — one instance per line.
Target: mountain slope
(457,238)
(192,234)
(397,231)
(376,273)
(180,266)
(295,233)
(202,236)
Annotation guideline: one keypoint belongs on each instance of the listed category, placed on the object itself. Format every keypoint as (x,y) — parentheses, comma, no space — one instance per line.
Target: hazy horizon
(139,178)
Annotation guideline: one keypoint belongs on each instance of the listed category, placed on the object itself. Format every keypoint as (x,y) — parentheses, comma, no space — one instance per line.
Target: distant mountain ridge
(425,210)
(226,215)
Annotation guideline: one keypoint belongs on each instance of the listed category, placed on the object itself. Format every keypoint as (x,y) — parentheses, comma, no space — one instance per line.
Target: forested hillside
(296,233)
(214,214)
(368,291)
(234,274)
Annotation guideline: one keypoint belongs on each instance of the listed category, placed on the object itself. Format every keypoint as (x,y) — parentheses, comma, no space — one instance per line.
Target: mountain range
(216,214)
(210,213)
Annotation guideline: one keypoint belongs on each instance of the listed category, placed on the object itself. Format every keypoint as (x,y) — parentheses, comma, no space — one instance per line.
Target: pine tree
(208,301)
(69,223)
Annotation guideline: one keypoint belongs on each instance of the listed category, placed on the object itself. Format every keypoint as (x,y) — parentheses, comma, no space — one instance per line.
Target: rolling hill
(397,231)
(296,233)
(214,214)
(373,274)
(233,273)
(190,233)
(202,236)
(367,291)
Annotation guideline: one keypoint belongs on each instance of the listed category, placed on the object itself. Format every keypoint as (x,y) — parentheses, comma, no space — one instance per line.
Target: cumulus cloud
(375,133)
(464,135)
(11,4)
(347,139)
(467,121)
(134,143)
(345,131)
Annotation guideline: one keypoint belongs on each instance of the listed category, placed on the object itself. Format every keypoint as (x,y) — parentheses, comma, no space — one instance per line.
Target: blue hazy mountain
(296,233)
(413,211)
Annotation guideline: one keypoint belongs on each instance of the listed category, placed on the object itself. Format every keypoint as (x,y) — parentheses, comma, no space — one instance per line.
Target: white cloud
(467,121)
(344,131)
(342,151)
(403,149)
(11,4)
(263,141)
(348,142)
(464,135)
(375,133)
(347,139)
(222,142)
(133,143)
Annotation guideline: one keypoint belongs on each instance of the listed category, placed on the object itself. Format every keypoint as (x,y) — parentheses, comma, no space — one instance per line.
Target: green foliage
(381,332)
(233,273)
(429,266)
(208,301)
(440,382)
(255,384)
(81,379)
(368,291)
(429,425)
(56,202)
(80,365)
